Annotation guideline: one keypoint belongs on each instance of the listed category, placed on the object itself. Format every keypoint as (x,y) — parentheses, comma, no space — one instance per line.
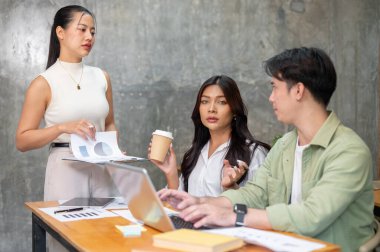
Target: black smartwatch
(241,211)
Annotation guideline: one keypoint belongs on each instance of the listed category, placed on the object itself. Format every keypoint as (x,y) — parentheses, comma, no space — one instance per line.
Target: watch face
(240,208)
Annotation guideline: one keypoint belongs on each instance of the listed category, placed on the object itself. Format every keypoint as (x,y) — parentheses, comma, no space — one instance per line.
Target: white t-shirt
(297,174)
(70,104)
(205,179)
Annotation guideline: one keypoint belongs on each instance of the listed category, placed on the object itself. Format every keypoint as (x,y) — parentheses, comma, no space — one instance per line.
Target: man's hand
(208,214)
(201,211)
(178,199)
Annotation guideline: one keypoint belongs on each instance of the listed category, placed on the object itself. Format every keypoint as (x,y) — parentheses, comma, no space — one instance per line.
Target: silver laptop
(135,185)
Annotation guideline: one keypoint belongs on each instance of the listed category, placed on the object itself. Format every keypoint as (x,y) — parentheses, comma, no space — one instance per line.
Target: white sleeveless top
(70,104)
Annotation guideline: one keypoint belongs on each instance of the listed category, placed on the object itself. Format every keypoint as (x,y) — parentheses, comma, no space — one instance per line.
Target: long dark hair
(241,137)
(62,18)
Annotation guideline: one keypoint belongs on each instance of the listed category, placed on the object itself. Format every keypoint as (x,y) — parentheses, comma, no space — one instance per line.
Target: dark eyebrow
(219,96)
(86,26)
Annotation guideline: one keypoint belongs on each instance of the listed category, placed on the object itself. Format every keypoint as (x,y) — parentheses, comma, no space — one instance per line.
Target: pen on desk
(68,210)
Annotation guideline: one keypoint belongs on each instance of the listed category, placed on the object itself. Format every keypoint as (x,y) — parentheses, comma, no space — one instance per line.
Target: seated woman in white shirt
(222,145)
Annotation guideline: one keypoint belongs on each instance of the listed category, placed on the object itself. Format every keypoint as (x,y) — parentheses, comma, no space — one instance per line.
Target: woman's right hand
(82,128)
(169,167)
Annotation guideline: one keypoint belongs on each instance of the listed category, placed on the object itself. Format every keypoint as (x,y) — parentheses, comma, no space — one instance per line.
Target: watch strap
(239,219)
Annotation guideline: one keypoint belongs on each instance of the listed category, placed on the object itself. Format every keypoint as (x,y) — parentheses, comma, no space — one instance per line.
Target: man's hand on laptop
(204,211)
(178,199)
(209,215)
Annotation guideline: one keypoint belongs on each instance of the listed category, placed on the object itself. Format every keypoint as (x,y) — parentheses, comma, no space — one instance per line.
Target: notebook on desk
(135,185)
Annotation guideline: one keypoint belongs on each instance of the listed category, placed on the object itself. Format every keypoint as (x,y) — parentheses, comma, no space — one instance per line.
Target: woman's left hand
(232,174)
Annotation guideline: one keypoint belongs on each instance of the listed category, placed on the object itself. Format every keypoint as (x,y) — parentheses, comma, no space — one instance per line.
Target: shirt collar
(205,148)
(326,132)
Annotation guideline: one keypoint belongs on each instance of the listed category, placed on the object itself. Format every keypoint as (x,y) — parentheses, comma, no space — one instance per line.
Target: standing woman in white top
(221,138)
(72,98)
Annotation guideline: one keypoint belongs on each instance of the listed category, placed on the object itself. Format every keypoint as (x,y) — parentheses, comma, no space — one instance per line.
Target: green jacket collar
(327,131)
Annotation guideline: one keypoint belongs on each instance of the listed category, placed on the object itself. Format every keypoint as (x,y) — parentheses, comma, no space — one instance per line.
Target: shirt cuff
(278,217)
(233,196)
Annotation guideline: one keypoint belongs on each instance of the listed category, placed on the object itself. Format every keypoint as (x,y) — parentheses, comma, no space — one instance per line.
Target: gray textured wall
(158,52)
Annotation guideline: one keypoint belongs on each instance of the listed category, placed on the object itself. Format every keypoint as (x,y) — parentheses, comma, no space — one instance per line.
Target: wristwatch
(241,211)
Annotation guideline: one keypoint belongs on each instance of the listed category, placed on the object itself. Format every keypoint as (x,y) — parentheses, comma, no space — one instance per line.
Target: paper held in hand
(104,149)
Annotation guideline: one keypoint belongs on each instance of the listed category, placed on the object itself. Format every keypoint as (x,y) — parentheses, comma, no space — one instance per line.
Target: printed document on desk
(84,214)
(271,240)
(104,149)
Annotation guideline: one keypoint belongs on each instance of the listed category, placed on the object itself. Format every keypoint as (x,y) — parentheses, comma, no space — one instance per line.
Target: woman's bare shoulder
(39,87)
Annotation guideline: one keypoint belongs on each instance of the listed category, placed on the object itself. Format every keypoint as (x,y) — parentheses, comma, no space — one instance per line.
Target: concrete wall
(158,52)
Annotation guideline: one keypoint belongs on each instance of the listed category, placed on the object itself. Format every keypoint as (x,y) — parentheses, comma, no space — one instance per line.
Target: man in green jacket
(315,181)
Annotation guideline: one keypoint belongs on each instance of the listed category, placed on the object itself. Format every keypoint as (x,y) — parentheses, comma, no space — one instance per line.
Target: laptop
(135,185)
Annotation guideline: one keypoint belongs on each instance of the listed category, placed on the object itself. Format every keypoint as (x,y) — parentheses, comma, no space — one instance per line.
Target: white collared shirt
(205,179)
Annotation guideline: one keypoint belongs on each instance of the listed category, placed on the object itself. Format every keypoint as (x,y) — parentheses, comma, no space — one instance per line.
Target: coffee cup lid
(163,133)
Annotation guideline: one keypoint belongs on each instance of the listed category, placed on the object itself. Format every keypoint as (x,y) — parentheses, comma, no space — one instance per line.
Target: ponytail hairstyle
(241,138)
(62,18)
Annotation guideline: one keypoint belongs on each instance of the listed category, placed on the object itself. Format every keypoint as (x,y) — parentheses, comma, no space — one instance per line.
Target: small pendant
(78,87)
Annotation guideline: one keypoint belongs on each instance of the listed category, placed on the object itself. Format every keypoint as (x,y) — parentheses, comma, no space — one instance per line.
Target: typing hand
(208,214)
(177,199)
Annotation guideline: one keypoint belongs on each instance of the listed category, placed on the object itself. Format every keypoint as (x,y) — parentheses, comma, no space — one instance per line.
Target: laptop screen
(135,185)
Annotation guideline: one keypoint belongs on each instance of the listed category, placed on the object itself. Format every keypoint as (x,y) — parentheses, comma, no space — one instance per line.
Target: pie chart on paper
(103,149)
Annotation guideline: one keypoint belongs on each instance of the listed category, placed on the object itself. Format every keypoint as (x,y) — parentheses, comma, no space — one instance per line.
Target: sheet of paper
(271,240)
(85,214)
(104,149)
(126,214)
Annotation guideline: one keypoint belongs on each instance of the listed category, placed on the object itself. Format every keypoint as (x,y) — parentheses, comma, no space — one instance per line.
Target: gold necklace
(78,83)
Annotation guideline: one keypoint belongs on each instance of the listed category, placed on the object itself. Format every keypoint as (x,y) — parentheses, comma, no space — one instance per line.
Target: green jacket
(337,189)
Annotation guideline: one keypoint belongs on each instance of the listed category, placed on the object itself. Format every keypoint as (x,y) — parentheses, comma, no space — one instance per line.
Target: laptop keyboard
(179,223)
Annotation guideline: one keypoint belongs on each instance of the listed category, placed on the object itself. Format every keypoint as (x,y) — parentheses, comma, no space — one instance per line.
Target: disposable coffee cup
(161,141)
